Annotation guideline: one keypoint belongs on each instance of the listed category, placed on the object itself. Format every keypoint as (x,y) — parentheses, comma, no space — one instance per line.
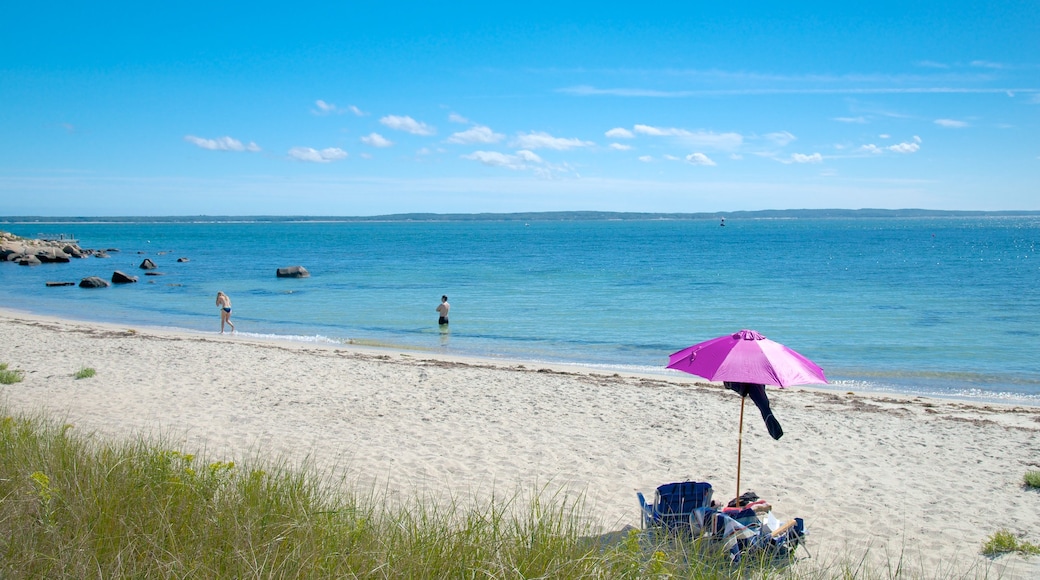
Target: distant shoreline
(534,216)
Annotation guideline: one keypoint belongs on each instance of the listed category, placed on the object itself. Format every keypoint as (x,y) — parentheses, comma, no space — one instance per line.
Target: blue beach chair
(673,504)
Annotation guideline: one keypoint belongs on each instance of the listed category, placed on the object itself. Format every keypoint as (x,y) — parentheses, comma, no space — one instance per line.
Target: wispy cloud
(619,133)
(407,124)
(699,159)
(311,155)
(620,147)
(723,141)
(646,158)
(542,140)
(522,160)
(781,138)
(588,91)
(988,64)
(221,144)
(376,140)
(477,134)
(803,158)
(457,118)
(951,123)
(905,147)
(857,120)
(326,108)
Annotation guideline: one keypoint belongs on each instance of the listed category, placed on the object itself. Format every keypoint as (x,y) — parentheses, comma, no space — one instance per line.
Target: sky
(371,108)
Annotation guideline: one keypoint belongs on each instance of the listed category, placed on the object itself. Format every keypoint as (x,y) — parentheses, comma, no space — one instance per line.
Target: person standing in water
(224,303)
(442,310)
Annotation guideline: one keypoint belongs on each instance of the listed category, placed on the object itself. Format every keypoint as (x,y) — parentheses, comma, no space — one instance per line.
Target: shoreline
(660,373)
(926,478)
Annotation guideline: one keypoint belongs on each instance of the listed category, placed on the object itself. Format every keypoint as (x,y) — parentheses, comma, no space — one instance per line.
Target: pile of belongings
(744,528)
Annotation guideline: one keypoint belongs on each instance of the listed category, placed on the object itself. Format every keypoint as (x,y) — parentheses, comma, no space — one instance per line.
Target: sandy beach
(927,480)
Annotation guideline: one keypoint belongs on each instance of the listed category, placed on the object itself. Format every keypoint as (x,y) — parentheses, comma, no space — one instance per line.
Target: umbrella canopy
(747,357)
(747,361)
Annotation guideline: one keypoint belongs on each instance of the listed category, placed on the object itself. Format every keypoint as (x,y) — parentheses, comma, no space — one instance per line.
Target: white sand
(928,480)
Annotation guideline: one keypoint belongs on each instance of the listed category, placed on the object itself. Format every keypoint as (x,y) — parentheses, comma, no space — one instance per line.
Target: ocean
(941,306)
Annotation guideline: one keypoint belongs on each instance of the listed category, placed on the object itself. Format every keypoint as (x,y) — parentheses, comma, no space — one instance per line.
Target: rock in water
(93,282)
(293,272)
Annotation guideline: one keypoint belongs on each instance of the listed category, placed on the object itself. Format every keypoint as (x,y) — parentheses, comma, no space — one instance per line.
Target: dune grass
(78,506)
(9,377)
(1032,479)
(1004,542)
(84,373)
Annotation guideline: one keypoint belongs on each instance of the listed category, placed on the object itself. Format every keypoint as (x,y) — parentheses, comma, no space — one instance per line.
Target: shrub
(9,377)
(1004,542)
(84,373)
(1032,479)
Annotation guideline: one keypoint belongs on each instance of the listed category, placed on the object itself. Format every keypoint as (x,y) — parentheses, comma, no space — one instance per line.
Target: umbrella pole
(740,446)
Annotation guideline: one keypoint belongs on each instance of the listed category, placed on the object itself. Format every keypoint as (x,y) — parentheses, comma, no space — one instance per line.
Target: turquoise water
(942,306)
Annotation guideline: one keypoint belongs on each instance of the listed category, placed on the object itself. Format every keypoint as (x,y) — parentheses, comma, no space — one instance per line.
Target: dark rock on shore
(147,264)
(100,255)
(93,282)
(293,272)
(29,260)
(121,278)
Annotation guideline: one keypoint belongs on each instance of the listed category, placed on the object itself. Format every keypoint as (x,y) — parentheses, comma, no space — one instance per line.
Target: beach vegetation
(1004,542)
(9,376)
(84,373)
(1032,479)
(80,506)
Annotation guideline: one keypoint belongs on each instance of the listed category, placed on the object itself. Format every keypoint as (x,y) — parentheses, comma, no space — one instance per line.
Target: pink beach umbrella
(746,361)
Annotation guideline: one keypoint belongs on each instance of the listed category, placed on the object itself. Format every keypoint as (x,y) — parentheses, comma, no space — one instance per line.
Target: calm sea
(940,306)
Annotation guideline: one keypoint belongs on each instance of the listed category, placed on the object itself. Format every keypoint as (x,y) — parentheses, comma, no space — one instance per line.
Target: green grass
(9,377)
(78,506)
(1004,542)
(1032,479)
(84,373)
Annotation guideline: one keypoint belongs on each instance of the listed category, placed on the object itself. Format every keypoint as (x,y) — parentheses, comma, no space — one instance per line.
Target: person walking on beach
(442,310)
(224,303)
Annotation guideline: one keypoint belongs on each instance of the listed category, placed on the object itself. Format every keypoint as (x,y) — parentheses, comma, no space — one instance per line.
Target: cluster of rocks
(28,252)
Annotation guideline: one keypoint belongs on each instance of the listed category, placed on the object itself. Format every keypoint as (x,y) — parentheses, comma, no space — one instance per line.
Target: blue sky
(353,108)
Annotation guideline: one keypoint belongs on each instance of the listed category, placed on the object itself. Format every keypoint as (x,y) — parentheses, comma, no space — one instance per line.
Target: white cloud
(803,158)
(781,138)
(542,140)
(457,118)
(529,156)
(314,156)
(646,158)
(376,140)
(478,134)
(620,147)
(884,136)
(950,123)
(724,141)
(408,125)
(620,133)
(221,144)
(871,148)
(987,64)
(904,148)
(857,120)
(325,108)
(699,159)
(521,160)
(670,157)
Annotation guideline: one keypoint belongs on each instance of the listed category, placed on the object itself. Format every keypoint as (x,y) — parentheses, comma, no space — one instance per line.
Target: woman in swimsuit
(224,303)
